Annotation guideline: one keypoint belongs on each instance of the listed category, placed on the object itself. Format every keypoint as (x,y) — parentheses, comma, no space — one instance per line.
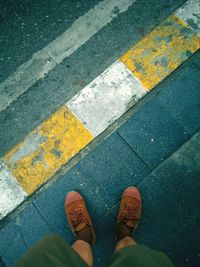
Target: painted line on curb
(11,193)
(62,47)
(47,149)
(189,13)
(162,51)
(106,98)
(51,145)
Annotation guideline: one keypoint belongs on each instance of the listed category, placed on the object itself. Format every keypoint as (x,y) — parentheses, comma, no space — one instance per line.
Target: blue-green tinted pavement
(158,150)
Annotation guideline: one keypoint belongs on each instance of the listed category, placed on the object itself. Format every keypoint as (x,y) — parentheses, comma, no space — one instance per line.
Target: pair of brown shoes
(81,224)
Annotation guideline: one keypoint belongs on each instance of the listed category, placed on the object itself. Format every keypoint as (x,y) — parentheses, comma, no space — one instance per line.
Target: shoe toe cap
(71,197)
(132,191)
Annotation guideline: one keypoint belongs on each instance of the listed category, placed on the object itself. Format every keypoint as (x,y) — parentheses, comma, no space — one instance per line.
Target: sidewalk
(158,150)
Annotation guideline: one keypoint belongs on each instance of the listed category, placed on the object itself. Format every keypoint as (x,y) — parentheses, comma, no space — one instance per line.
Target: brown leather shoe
(129,213)
(79,218)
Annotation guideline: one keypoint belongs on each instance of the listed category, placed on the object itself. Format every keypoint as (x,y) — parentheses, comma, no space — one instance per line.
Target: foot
(129,213)
(79,218)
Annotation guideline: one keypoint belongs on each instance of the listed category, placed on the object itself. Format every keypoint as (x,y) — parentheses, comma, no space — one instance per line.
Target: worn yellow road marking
(46,149)
(161,51)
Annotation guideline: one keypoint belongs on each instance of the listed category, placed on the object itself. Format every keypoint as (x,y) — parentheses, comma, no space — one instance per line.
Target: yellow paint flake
(161,51)
(47,149)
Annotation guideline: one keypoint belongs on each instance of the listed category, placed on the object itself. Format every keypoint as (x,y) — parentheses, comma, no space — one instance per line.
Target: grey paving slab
(186,250)
(153,132)
(113,165)
(160,215)
(170,218)
(166,225)
(181,174)
(15,250)
(181,95)
(78,70)
(21,233)
(32,225)
(7,235)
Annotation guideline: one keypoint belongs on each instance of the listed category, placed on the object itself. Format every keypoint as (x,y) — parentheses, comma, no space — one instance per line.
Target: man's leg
(81,224)
(127,252)
(128,217)
(84,250)
(51,251)
(125,242)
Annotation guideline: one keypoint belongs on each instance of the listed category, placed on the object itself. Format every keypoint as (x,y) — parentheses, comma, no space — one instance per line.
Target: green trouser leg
(53,251)
(139,256)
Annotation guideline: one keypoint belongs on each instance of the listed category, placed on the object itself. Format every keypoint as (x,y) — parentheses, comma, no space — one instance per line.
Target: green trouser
(53,251)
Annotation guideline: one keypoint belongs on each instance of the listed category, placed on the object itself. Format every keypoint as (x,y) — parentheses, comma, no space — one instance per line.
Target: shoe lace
(78,216)
(128,213)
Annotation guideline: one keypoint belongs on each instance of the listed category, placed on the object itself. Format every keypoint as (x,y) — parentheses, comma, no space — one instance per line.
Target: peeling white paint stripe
(11,194)
(46,59)
(106,98)
(190,14)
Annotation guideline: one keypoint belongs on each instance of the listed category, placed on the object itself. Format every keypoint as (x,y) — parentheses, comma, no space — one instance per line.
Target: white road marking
(190,13)
(46,59)
(106,98)
(11,194)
